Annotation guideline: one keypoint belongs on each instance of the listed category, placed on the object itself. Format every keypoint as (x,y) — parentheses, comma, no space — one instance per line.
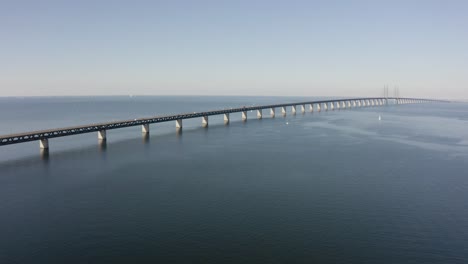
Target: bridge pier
(303,109)
(204,121)
(44,143)
(226,118)
(259,114)
(145,128)
(272,112)
(178,124)
(331,106)
(343,104)
(102,135)
(311,107)
(283,110)
(293,109)
(318,107)
(337,105)
(244,115)
(325,106)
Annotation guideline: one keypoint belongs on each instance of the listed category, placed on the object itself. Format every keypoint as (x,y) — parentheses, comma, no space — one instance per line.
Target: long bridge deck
(44,135)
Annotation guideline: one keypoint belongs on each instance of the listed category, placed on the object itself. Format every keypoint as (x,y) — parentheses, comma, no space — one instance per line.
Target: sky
(216,47)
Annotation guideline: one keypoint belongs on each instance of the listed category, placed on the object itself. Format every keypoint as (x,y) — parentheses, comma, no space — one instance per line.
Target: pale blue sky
(337,48)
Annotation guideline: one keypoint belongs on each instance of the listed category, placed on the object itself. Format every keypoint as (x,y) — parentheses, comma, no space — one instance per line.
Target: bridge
(43,136)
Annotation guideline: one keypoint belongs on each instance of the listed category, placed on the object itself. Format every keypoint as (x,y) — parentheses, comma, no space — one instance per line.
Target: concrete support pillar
(272,112)
(302,108)
(372,102)
(204,121)
(178,124)
(244,115)
(102,135)
(44,143)
(354,103)
(325,106)
(293,109)
(332,107)
(343,104)
(311,107)
(145,128)
(259,114)
(337,105)
(283,110)
(226,118)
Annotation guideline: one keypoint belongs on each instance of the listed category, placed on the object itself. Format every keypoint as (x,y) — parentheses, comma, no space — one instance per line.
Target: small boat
(380,118)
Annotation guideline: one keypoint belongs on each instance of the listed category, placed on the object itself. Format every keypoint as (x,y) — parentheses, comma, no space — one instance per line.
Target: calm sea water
(330,187)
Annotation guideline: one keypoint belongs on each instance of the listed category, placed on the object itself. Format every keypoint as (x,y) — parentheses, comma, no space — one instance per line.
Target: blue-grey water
(330,187)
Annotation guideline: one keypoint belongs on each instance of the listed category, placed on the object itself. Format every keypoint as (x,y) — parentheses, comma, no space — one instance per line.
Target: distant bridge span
(320,105)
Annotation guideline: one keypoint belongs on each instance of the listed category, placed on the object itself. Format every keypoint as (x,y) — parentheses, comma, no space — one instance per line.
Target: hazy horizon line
(216,95)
